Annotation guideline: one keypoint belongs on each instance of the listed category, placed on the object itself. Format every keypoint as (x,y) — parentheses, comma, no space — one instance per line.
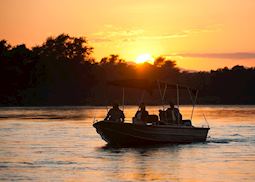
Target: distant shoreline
(54,74)
(197,105)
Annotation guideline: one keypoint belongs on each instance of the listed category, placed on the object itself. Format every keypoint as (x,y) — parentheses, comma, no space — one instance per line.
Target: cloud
(116,34)
(184,33)
(99,39)
(112,33)
(231,55)
(165,37)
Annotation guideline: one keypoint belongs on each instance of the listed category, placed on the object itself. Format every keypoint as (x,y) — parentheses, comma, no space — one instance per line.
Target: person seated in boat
(173,115)
(141,115)
(115,114)
(162,117)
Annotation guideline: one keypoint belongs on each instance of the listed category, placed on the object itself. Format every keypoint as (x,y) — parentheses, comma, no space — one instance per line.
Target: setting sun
(144,58)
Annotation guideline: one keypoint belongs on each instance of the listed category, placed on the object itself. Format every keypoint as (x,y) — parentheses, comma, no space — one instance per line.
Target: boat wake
(238,139)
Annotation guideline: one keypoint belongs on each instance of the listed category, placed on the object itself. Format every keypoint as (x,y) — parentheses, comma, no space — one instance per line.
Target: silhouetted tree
(63,71)
(159,61)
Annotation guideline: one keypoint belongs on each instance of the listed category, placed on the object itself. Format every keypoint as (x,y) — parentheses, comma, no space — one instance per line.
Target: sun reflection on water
(61,144)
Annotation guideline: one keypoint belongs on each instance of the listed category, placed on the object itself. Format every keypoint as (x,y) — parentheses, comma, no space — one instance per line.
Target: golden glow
(130,27)
(142,58)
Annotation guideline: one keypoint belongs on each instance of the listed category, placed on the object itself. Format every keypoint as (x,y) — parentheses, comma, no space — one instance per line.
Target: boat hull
(126,134)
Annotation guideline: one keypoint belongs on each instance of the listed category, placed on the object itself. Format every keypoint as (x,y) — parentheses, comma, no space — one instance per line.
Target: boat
(151,133)
(128,134)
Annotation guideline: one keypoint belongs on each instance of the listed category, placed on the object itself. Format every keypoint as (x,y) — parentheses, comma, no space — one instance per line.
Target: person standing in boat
(115,114)
(173,114)
(141,115)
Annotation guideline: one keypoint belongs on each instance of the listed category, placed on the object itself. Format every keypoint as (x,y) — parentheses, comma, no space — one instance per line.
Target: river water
(60,144)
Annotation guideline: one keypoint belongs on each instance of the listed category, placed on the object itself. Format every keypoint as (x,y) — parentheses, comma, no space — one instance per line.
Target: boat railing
(207,124)
(129,120)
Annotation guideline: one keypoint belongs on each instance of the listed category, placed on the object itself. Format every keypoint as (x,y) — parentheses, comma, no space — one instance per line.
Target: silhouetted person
(173,114)
(141,115)
(115,114)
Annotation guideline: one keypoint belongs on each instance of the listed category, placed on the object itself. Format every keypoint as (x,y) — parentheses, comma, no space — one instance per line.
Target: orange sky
(198,34)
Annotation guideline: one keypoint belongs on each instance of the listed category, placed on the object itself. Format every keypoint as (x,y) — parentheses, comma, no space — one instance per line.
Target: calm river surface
(60,144)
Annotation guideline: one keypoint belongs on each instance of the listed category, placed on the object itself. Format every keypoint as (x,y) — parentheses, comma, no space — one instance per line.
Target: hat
(171,103)
(142,105)
(115,104)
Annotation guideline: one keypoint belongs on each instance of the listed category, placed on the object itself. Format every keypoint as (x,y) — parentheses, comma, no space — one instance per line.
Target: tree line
(62,71)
